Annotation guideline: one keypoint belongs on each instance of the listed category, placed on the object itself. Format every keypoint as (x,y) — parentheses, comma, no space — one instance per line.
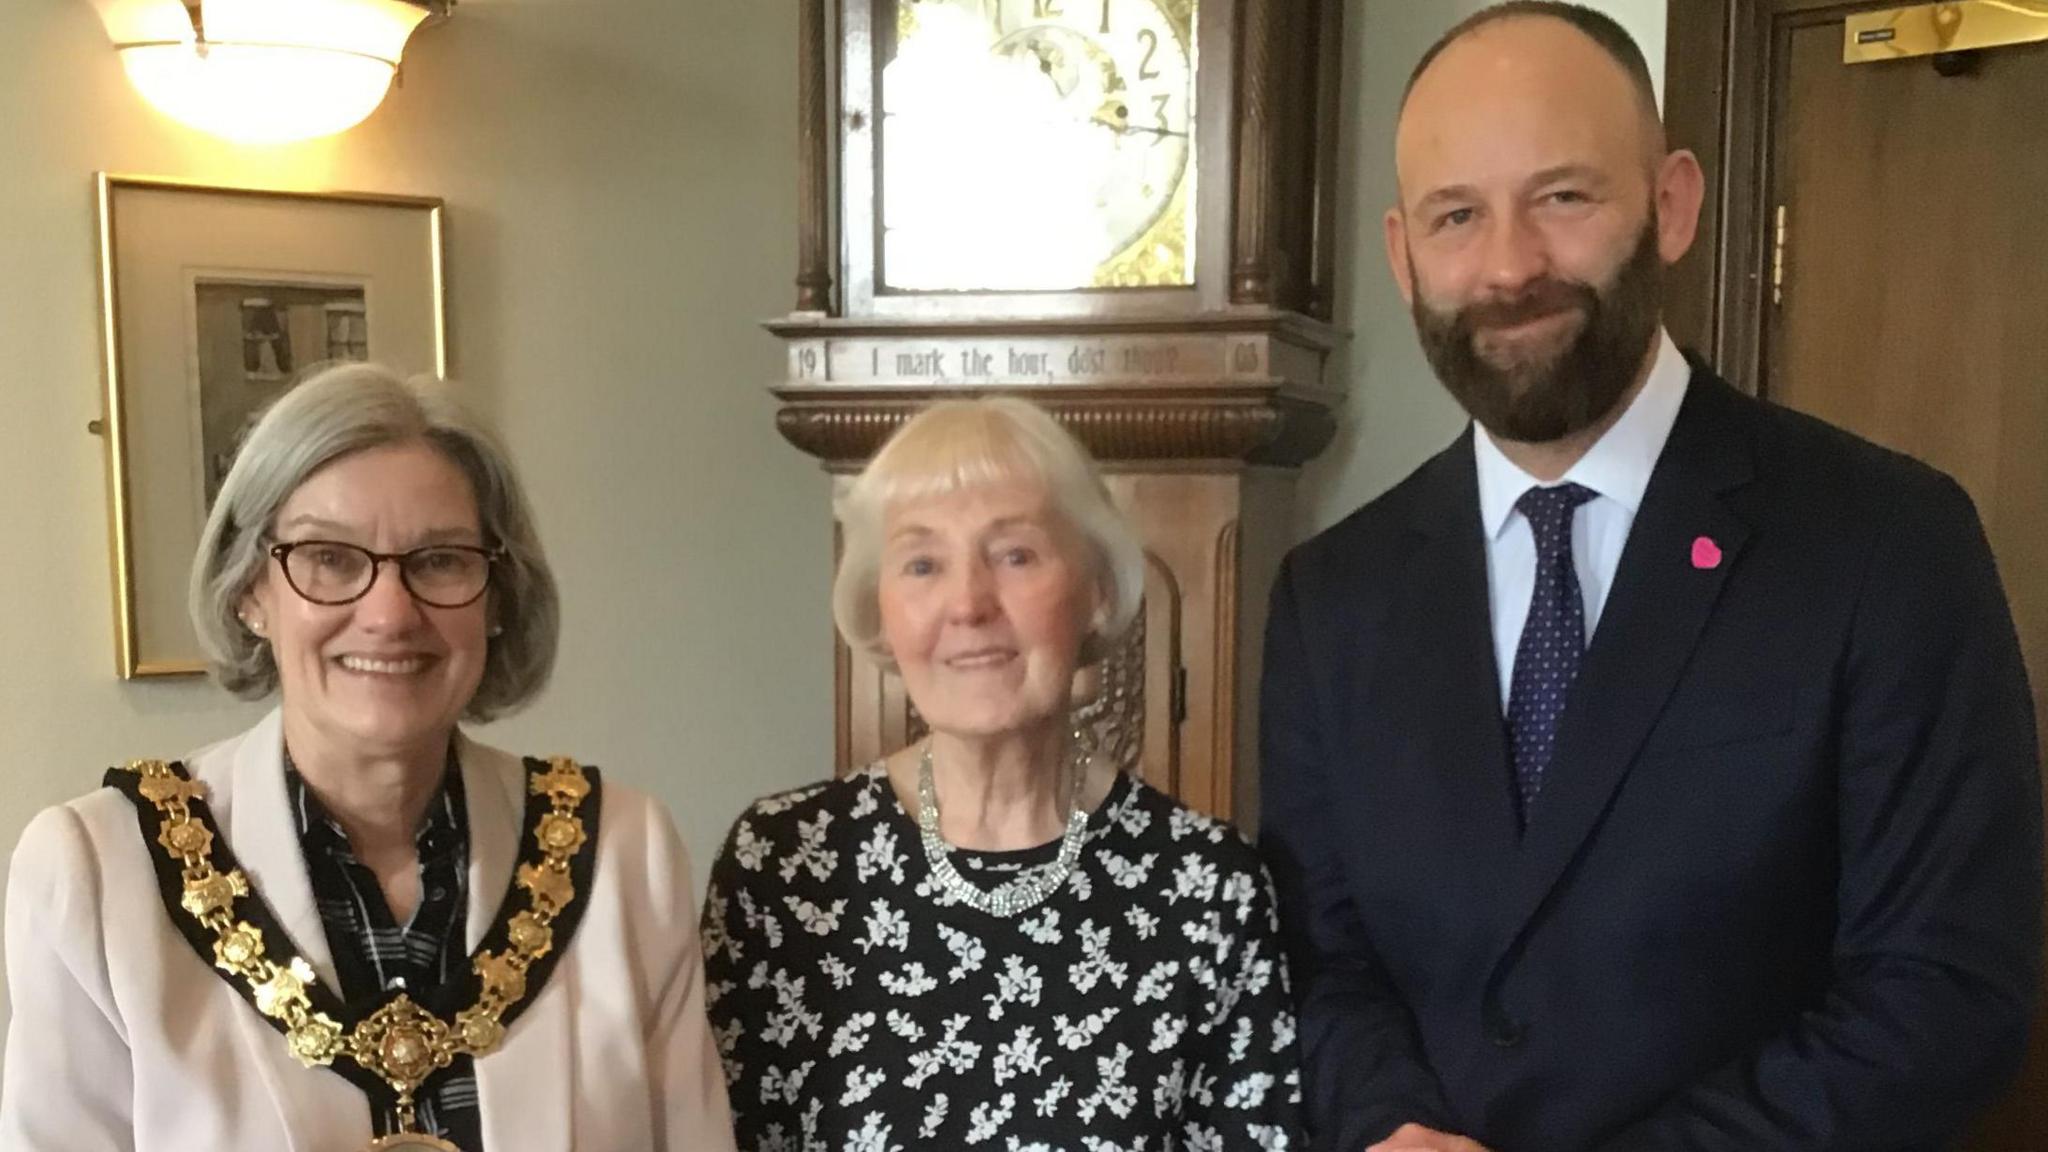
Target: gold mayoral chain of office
(401,1043)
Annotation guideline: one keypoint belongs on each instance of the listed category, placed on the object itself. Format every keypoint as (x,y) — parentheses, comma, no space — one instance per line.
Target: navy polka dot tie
(1553,639)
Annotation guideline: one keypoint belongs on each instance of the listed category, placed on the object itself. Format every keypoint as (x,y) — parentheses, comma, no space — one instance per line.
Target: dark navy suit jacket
(1783,886)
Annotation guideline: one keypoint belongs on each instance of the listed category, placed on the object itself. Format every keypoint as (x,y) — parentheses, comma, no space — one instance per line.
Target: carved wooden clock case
(1124,210)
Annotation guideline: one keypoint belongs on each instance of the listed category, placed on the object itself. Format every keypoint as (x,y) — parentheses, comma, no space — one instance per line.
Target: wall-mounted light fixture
(265,71)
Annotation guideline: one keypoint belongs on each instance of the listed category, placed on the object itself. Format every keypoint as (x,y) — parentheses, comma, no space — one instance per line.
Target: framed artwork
(214,302)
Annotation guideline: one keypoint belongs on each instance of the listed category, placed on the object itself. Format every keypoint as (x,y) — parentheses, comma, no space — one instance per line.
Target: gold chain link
(401,1043)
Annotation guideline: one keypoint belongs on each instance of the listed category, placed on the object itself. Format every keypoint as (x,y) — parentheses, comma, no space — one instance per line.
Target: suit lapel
(265,837)
(525,1086)
(1659,605)
(494,791)
(245,789)
(1436,670)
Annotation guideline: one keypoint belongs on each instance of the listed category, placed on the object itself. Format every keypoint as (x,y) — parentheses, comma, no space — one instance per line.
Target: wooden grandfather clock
(1123,210)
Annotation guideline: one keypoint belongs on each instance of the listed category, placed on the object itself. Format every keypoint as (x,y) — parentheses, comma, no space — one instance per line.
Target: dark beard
(1542,400)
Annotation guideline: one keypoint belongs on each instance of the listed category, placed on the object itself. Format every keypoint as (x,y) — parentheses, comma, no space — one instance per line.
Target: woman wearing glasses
(351,926)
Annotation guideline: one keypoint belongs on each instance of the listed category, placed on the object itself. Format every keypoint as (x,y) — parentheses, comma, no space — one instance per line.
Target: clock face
(1037,144)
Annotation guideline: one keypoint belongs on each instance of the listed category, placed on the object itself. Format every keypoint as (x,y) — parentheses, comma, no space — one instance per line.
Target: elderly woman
(989,939)
(351,926)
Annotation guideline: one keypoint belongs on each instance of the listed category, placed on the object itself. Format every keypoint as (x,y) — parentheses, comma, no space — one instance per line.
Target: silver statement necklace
(1026,891)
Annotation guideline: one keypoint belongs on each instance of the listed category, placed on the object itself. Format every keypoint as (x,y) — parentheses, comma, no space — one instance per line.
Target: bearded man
(1654,768)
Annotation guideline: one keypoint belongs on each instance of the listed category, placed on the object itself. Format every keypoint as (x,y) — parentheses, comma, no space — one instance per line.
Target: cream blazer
(123,1038)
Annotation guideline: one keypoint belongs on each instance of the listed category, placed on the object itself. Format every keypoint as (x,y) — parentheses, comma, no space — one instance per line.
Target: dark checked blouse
(375,957)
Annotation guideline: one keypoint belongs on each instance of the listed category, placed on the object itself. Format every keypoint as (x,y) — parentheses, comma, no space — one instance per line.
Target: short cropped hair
(1599,27)
(961,445)
(334,413)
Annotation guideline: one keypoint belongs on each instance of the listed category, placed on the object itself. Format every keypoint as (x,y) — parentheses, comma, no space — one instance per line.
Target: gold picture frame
(212,300)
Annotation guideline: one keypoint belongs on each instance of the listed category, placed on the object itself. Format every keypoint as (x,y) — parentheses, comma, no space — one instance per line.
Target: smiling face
(985,598)
(1537,212)
(385,675)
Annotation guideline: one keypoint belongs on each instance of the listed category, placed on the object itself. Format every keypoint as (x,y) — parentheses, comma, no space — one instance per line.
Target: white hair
(959,445)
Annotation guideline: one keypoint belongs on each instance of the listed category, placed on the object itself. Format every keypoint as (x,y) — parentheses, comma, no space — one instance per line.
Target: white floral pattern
(1144,1006)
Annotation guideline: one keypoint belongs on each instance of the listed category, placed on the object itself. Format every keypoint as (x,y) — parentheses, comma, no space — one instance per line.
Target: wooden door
(1882,263)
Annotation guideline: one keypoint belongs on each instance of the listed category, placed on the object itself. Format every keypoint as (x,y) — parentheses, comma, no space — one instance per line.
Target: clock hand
(1162,133)
(1116,116)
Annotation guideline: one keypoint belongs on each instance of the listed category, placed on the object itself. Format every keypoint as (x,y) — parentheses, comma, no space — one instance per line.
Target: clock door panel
(1122,210)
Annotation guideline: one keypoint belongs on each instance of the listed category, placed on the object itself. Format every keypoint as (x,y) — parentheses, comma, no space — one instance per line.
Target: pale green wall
(620,178)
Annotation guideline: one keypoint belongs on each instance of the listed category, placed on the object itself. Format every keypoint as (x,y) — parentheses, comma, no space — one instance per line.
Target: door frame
(1722,74)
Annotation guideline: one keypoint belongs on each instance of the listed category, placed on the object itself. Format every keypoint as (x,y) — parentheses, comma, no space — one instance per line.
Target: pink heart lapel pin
(1706,555)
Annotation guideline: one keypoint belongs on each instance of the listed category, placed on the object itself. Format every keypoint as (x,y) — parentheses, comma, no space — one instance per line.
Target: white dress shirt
(1617,469)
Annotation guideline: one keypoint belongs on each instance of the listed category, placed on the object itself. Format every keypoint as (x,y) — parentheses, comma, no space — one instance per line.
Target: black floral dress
(1143,1006)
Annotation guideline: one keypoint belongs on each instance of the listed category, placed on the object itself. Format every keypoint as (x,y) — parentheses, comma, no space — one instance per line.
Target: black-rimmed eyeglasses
(332,573)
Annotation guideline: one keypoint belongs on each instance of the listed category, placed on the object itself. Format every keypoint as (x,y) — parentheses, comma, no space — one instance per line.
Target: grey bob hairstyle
(335,412)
